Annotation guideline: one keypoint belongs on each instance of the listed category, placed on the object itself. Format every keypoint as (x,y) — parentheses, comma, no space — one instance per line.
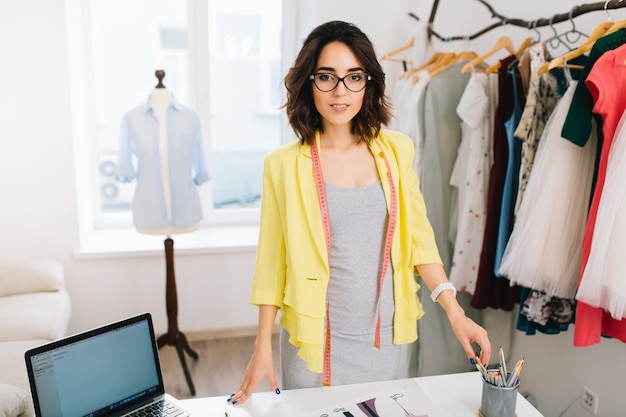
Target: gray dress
(358,222)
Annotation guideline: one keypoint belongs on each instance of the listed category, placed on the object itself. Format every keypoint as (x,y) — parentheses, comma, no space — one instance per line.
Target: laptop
(112,370)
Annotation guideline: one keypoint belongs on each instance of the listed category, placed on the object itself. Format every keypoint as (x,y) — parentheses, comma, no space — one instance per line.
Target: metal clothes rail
(530,24)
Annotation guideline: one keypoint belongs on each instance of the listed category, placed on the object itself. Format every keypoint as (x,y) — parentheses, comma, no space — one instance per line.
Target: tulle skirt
(603,283)
(544,250)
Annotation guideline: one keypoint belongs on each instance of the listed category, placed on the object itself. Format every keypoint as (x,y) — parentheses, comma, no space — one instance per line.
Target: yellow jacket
(292,268)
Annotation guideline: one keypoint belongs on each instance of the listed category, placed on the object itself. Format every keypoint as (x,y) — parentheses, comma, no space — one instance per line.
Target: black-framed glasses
(326,82)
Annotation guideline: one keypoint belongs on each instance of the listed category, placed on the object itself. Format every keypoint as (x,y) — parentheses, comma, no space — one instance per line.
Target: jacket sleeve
(269,275)
(424,248)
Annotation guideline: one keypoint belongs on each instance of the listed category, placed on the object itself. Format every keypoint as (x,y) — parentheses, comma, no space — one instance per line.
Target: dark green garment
(577,126)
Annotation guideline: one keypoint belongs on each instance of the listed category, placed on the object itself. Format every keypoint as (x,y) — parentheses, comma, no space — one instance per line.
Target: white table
(456,395)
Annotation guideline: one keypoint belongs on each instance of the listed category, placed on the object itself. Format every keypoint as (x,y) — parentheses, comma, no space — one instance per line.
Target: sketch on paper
(401,401)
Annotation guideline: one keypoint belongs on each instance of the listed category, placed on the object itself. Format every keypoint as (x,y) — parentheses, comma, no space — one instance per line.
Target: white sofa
(34,309)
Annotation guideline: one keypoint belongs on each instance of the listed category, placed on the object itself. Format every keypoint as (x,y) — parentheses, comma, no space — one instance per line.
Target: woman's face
(339,106)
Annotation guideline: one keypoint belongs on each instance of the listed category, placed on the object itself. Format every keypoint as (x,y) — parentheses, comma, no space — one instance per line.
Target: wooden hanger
(461,56)
(523,46)
(443,60)
(520,50)
(464,56)
(441,65)
(503,43)
(585,47)
(432,60)
(615,27)
(388,55)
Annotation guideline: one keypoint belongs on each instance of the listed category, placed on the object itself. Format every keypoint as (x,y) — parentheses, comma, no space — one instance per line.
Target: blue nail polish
(277,391)
(234,402)
(472,361)
(228,400)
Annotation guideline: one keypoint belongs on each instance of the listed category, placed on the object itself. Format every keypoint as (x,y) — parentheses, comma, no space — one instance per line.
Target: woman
(343,230)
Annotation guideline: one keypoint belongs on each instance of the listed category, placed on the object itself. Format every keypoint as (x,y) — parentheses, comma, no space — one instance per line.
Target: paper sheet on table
(254,408)
(401,401)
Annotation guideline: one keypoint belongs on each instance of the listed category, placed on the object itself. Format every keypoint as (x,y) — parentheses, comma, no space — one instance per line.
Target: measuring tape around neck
(391,225)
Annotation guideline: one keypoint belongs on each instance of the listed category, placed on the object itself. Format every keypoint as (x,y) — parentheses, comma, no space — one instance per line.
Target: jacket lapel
(381,166)
(310,201)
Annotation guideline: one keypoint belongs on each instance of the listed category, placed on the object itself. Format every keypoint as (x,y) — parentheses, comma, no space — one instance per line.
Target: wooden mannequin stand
(175,337)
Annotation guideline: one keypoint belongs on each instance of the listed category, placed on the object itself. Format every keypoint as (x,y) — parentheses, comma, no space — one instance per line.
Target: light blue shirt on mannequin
(139,157)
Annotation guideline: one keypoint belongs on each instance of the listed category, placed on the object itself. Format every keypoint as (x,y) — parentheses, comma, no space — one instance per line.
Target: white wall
(39,216)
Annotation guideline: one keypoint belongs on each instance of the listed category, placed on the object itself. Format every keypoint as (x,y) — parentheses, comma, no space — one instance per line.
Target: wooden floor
(218,370)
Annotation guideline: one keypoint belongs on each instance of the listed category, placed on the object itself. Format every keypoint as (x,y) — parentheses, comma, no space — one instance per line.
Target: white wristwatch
(440,288)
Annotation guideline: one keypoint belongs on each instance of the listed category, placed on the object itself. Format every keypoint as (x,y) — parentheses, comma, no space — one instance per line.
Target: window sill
(118,243)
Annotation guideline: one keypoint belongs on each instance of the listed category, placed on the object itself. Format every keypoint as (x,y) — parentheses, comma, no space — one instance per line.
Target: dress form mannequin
(161,99)
(161,147)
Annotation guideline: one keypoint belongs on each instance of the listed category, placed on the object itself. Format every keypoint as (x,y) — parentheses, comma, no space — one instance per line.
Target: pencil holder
(498,401)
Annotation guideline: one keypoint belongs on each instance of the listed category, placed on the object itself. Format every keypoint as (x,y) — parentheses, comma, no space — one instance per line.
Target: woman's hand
(261,366)
(468,332)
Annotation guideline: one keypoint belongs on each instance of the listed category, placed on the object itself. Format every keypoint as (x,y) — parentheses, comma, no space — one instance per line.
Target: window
(245,95)
(223,58)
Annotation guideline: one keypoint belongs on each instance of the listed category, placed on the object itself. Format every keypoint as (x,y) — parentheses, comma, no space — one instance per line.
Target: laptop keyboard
(161,408)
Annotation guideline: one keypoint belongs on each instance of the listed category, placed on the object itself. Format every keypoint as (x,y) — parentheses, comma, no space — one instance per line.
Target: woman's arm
(261,364)
(465,329)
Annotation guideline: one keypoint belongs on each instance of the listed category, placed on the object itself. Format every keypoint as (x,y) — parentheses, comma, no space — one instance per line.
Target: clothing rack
(529,24)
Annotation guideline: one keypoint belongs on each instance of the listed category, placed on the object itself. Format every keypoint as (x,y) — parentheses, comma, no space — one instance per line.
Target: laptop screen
(97,372)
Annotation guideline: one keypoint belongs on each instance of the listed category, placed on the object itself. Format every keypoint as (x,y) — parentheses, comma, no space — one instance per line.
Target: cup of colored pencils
(500,385)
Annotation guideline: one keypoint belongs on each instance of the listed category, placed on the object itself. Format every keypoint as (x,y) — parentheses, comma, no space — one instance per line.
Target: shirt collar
(174,104)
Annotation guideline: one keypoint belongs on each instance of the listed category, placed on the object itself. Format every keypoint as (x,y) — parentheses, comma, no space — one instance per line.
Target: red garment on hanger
(607,93)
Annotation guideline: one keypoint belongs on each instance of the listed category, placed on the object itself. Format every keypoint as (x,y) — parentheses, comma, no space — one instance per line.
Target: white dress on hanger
(603,283)
(406,109)
(399,102)
(544,250)
(471,177)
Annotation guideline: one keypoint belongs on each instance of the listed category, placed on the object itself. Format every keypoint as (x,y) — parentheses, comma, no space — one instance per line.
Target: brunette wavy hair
(303,116)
